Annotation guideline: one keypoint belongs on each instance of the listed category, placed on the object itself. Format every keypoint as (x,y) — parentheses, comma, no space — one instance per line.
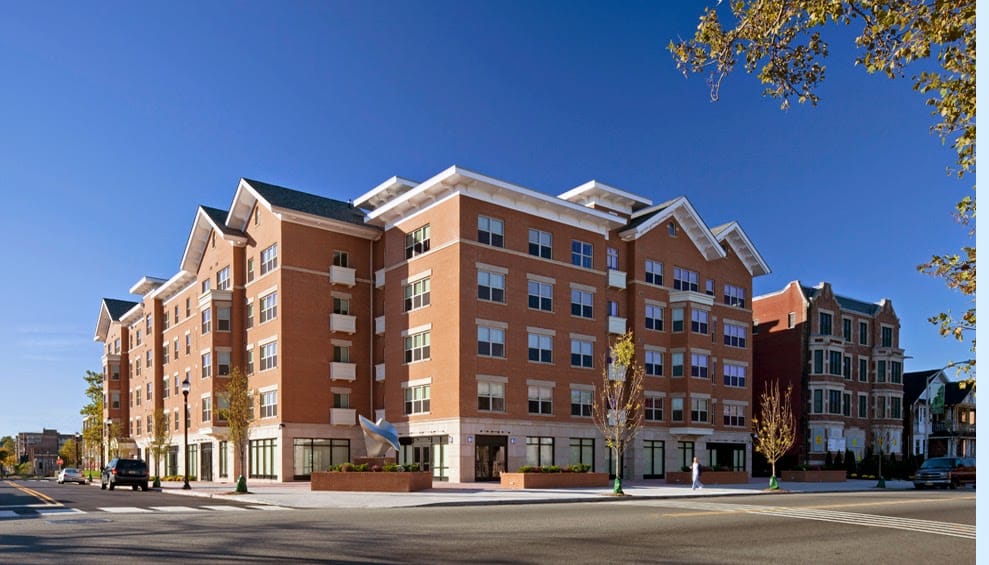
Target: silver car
(71,475)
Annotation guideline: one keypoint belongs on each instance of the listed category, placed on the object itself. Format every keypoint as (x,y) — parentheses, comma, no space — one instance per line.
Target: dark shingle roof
(846,303)
(657,209)
(219,218)
(954,393)
(118,308)
(914,383)
(282,197)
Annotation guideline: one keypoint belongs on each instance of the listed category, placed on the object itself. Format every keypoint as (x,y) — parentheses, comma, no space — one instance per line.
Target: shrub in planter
(347,467)
(579,468)
(412,467)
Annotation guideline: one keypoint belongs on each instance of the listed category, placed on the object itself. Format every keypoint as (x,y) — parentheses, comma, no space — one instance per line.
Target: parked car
(945,472)
(71,475)
(119,471)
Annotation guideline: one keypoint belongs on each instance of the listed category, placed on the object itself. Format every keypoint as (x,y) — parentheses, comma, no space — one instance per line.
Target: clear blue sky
(117,119)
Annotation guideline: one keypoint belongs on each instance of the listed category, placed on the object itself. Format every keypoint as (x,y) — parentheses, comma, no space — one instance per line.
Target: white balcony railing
(379,325)
(343,416)
(616,279)
(379,278)
(343,275)
(343,323)
(616,325)
(343,371)
(379,372)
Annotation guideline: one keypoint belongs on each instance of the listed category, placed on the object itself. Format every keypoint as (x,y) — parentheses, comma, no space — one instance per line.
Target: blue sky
(117,119)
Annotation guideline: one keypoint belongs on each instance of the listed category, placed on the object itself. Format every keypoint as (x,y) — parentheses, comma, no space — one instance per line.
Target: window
(734,335)
(148,358)
(791,320)
(249,315)
(175,348)
(269,355)
(341,259)
(699,410)
(818,362)
(539,451)
(863,333)
(150,391)
(612,259)
(188,343)
(417,347)
(880,406)
(223,279)
(684,279)
(834,402)
(846,329)
(735,296)
(147,324)
(540,244)
(115,399)
(341,305)
(676,409)
(490,231)
(698,365)
(417,294)
(654,317)
(341,399)
(734,375)
(540,296)
(138,424)
(887,336)
(164,387)
(895,407)
(846,404)
(824,325)
(698,321)
(654,363)
(581,353)
(490,341)
(268,306)
(581,303)
(896,372)
(250,269)
(818,407)
(709,287)
(223,318)
(581,254)
(653,406)
(834,363)
(863,406)
(223,363)
(540,348)
(881,371)
(207,360)
(677,320)
(164,323)
(262,457)
(582,451)
(269,404)
(671,228)
(490,396)
(249,361)
(269,259)
(654,273)
(188,307)
(490,286)
(863,370)
(581,402)
(137,397)
(734,416)
(677,362)
(341,354)
(207,412)
(417,242)
(176,420)
(139,336)
(417,399)
(540,400)
(207,316)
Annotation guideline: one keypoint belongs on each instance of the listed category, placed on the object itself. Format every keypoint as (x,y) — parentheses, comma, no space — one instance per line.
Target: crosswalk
(46,511)
(966,531)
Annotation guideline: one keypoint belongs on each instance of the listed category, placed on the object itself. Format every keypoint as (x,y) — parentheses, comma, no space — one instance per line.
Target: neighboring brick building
(843,359)
(449,308)
(41,450)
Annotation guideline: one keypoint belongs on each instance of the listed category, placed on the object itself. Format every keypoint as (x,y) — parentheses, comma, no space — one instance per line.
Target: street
(876,527)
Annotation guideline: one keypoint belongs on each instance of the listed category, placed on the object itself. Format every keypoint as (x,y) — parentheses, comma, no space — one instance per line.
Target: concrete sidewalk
(298,494)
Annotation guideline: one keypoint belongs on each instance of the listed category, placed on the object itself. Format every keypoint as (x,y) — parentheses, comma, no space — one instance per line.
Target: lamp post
(109,422)
(185,442)
(78,462)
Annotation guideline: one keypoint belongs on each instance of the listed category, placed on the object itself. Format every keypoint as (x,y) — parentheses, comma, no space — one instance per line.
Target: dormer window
(672,229)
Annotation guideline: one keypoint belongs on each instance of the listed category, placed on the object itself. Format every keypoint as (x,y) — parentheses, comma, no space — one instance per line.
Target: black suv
(133,472)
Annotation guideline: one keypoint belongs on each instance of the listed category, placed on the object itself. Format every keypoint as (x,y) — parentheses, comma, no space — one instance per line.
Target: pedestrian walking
(695,474)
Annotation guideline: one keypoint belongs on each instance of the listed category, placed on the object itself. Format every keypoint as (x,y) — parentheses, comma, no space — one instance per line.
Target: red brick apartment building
(472,313)
(843,359)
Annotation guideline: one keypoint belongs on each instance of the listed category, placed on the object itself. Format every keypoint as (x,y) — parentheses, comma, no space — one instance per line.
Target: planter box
(708,478)
(372,482)
(553,480)
(831,476)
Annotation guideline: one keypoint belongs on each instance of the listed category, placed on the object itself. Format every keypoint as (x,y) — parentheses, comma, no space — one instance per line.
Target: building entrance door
(206,462)
(490,457)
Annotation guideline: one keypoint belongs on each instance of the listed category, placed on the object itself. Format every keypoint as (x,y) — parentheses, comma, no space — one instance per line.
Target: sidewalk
(298,494)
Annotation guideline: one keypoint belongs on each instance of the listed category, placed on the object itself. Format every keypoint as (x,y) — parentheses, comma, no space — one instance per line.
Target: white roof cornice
(688,218)
(734,235)
(199,238)
(594,192)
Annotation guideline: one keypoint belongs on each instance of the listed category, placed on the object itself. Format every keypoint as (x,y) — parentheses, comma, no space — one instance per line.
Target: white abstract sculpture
(378,437)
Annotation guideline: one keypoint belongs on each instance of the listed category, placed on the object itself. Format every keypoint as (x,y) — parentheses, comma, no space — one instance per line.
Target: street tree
(92,411)
(618,410)
(8,454)
(161,439)
(239,414)
(68,453)
(782,42)
(775,429)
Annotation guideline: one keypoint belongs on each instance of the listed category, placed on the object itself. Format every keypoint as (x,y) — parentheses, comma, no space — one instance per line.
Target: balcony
(379,278)
(343,275)
(953,429)
(616,279)
(343,371)
(343,323)
(379,372)
(343,416)
(379,325)
(616,325)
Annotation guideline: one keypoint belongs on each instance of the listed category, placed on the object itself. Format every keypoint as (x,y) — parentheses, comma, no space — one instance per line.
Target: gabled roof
(733,234)
(593,192)
(914,384)
(111,310)
(956,392)
(850,304)
(690,221)
(208,220)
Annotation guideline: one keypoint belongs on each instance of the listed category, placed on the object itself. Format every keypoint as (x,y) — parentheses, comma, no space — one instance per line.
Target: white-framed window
(417,242)
(341,305)
(581,353)
(863,333)
(223,318)
(863,410)
(490,396)
(250,269)
(341,399)
(671,228)
(581,254)
(734,416)
(676,359)
(700,409)
(896,372)
(490,286)
(188,343)
(581,402)
(207,320)
(734,296)
(698,321)
(846,367)
(846,329)
(654,363)
(148,358)
(698,365)
(825,323)
(249,314)
(417,294)
(895,407)
(653,406)
(863,370)
(341,353)
(677,319)
(685,279)
(150,390)
(268,306)
(269,404)
(540,296)
(207,409)
(223,363)
(490,231)
(540,243)
(880,370)
(886,336)
(147,324)
(834,401)
(834,362)
(540,399)
(709,287)
(223,278)
(490,341)
(341,259)
(249,360)
(417,347)
(654,317)
(269,258)
(207,365)
(676,409)
(654,272)
(417,399)
(540,348)
(734,375)
(269,355)
(612,259)
(581,303)
(734,335)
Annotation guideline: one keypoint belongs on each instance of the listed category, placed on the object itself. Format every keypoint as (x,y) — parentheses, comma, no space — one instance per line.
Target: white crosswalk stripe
(56,512)
(123,509)
(221,508)
(176,509)
(266,507)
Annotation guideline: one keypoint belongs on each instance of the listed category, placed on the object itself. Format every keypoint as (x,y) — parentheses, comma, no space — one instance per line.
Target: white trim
(417,330)
(491,268)
(340,390)
(267,340)
(540,331)
(654,348)
(268,388)
(491,324)
(418,382)
(583,287)
(583,337)
(341,343)
(540,278)
(578,386)
(417,277)
(536,382)
(491,379)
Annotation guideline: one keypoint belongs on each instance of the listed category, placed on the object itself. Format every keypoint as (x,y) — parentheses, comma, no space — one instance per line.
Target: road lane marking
(176,509)
(224,508)
(122,509)
(39,495)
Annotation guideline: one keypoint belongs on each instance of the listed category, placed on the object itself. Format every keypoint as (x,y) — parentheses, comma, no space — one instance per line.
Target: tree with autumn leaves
(618,410)
(775,430)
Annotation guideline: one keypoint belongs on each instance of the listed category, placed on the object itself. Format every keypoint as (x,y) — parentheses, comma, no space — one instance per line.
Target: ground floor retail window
(172,461)
(224,470)
(582,451)
(655,457)
(539,451)
(429,453)
(316,454)
(193,461)
(730,456)
(262,459)
(686,451)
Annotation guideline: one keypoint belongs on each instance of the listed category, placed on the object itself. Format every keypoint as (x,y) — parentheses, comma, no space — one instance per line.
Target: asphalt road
(875,527)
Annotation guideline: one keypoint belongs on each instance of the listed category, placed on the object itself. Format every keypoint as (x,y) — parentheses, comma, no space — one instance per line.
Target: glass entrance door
(206,466)
(490,457)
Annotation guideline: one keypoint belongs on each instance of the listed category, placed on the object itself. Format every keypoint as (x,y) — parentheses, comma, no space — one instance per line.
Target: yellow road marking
(39,495)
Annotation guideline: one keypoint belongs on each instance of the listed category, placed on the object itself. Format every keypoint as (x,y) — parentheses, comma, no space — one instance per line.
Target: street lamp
(109,422)
(185,416)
